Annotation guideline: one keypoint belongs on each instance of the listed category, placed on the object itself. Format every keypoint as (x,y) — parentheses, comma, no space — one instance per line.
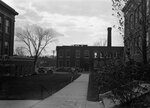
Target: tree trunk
(35,61)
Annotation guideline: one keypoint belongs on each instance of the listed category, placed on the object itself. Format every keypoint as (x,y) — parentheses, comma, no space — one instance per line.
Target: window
(115,55)
(86,54)
(139,43)
(6,48)
(101,55)
(147,38)
(0,23)
(95,55)
(60,53)
(109,55)
(0,47)
(95,63)
(60,63)
(67,53)
(77,53)
(77,63)
(7,26)
(140,12)
(135,45)
(136,15)
(67,63)
(148,7)
(106,55)
(128,43)
(131,21)
(126,21)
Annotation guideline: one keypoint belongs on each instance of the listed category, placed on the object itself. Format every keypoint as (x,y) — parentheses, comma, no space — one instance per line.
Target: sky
(80,21)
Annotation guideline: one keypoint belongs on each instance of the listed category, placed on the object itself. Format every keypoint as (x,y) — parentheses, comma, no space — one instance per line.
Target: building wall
(133,12)
(90,57)
(10,65)
(7,19)
(16,66)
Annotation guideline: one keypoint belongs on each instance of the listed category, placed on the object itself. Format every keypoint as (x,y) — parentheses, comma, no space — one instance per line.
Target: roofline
(94,46)
(8,7)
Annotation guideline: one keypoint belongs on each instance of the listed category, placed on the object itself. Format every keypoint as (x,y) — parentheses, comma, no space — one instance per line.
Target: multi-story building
(137,21)
(7,19)
(88,57)
(9,64)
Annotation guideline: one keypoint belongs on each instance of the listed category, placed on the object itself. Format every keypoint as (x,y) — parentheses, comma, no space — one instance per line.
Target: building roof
(8,7)
(85,46)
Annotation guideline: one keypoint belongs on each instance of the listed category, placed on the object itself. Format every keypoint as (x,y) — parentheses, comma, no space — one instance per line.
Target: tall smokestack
(109,37)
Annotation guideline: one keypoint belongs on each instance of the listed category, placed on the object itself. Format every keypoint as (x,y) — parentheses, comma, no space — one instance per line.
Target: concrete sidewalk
(72,96)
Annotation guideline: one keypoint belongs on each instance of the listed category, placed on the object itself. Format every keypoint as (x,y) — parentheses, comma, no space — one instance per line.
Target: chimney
(109,37)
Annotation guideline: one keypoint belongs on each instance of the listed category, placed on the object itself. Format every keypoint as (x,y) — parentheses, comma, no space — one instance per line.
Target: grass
(92,94)
(33,87)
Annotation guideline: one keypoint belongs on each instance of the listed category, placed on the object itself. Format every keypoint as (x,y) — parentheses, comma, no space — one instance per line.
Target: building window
(140,12)
(0,23)
(101,55)
(60,53)
(128,43)
(135,45)
(67,53)
(60,63)
(148,7)
(0,47)
(6,48)
(126,21)
(95,55)
(109,55)
(147,38)
(86,54)
(106,55)
(7,26)
(95,63)
(77,53)
(67,63)
(115,54)
(139,43)
(136,15)
(77,63)
(131,21)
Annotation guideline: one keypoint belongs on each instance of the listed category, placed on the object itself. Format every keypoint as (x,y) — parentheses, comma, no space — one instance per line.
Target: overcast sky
(80,21)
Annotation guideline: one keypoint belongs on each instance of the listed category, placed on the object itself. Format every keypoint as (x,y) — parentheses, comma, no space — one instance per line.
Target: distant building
(88,57)
(9,64)
(133,35)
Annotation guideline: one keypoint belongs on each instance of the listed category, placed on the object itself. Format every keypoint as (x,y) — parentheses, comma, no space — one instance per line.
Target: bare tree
(20,51)
(100,43)
(117,7)
(36,39)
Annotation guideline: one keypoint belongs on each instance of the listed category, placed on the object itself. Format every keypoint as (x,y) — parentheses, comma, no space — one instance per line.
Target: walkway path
(72,96)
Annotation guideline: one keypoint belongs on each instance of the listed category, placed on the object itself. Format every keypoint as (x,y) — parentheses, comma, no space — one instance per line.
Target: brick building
(7,19)
(135,11)
(10,65)
(88,57)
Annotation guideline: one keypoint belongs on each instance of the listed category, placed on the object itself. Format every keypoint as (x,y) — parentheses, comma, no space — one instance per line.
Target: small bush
(113,77)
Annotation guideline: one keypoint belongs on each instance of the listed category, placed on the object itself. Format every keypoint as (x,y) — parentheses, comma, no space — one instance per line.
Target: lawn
(33,87)
(92,94)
